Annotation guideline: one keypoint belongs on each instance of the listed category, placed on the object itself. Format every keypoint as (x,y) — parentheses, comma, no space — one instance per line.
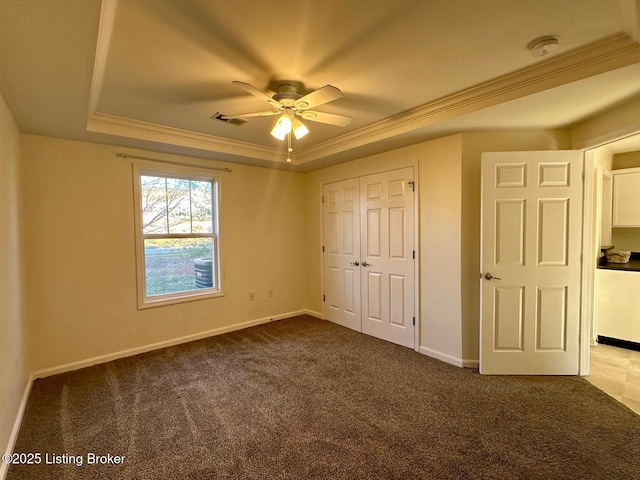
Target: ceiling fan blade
(323,117)
(325,94)
(247,115)
(258,93)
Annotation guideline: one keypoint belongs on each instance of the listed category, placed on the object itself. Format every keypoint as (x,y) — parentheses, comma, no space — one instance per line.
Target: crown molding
(608,54)
(131,128)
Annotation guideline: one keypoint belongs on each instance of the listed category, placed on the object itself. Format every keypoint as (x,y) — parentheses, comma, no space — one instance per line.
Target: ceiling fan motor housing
(287,94)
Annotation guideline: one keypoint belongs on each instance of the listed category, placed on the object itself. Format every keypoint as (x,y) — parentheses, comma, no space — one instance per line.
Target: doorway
(598,228)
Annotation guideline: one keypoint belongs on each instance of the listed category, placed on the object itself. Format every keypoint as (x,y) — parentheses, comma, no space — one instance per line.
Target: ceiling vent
(232,121)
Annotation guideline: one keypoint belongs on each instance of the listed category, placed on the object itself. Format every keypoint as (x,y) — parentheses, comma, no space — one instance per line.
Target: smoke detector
(543,46)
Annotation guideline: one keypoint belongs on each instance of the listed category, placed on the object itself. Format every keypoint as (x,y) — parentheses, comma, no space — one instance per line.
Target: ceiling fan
(290,105)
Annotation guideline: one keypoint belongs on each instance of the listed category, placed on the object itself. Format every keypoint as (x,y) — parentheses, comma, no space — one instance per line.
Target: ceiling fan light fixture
(299,129)
(282,127)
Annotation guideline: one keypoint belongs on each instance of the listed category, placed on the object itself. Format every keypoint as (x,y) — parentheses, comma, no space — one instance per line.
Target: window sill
(176,299)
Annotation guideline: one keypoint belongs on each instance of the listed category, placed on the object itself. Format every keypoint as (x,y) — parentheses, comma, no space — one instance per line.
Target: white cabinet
(626,197)
(618,305)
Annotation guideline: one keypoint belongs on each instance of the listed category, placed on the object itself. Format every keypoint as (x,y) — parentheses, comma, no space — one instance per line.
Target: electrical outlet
(271,292)
(251,296)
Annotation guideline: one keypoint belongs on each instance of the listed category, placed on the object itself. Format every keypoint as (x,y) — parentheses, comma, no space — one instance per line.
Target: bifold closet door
(386,253)
(368,235)
(341,244)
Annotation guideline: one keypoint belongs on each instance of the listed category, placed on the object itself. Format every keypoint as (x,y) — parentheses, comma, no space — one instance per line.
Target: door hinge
(323,298)
(322,248)
(413,185)
(414,321)
(583,175)
(322,199)
(414,254)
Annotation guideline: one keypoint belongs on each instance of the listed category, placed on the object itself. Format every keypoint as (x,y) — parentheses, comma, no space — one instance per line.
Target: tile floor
(616,371)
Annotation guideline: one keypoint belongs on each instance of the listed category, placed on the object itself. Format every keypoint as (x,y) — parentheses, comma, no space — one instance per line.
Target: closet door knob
(355,264)
(365,264)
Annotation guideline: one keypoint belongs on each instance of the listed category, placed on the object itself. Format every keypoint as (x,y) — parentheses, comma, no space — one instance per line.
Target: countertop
(633,265)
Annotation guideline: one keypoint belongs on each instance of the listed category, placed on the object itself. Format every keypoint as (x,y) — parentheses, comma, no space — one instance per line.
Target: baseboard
(467,363)
(313,313)
(4,467)
(616,342)
(68,367)
(458,362)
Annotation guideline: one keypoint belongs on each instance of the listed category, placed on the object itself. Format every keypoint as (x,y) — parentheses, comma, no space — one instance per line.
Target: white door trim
(588,261)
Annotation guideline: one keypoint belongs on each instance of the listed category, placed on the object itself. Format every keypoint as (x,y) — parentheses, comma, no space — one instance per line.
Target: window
(177,234)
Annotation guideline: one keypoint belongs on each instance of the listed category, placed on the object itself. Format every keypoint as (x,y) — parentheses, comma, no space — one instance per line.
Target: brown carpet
(306,399)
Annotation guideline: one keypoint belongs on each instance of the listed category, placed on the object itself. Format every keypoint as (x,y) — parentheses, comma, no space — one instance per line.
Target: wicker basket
(618,256)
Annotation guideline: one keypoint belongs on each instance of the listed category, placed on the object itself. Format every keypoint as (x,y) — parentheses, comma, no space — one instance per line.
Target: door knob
(355,264)
(365,264)
(488,276)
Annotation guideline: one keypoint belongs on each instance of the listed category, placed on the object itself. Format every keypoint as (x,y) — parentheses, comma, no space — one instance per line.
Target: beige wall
(80,263)
(473,145)
(14,371)
(615,123)
(440,188)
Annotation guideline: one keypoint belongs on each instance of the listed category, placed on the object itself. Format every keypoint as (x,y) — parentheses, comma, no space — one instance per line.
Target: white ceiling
(150,73)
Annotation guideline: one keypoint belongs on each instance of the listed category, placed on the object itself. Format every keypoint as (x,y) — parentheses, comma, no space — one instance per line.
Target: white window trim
(174,171)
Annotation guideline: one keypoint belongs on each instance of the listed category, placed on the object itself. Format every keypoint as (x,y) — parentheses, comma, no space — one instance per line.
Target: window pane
(179,265)
(178,205)
(153,192)
(201,206)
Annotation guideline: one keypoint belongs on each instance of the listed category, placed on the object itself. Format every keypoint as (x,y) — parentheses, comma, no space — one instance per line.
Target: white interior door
(341,231)
(531,249)
(387,264)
